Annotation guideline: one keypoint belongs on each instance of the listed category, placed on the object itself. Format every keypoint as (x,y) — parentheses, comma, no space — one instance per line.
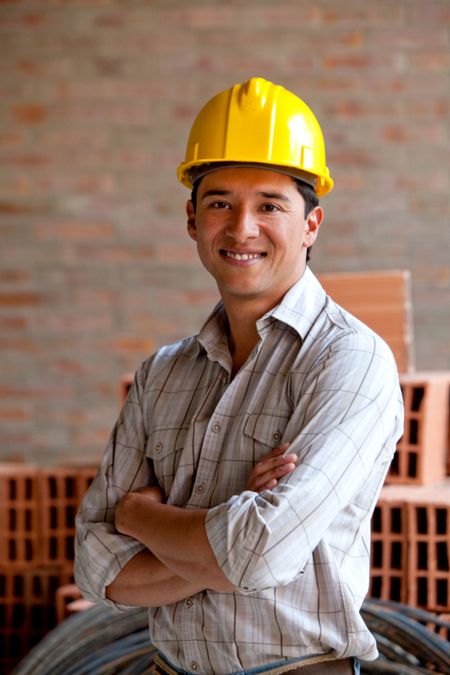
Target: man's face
(251,233)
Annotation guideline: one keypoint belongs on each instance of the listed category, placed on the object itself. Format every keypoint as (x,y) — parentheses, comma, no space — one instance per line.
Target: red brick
(20,299)
(30,113)
(73,231)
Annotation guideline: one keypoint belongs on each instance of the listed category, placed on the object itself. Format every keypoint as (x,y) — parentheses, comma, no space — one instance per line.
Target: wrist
(127,513)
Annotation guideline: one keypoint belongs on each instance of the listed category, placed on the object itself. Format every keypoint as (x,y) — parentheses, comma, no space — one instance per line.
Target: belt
(323,667)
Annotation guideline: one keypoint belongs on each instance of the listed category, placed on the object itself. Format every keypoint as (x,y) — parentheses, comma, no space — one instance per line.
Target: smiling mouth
(241,256)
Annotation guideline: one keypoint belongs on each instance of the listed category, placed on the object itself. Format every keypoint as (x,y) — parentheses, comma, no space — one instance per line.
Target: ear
(191,227)
(312,224)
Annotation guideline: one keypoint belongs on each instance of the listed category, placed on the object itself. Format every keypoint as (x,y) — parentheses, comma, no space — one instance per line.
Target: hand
(124,516)
(273,466)
(153,493)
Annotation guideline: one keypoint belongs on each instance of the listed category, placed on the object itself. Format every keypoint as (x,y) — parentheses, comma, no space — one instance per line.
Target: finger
(272,463)
(275,452)
(259,482)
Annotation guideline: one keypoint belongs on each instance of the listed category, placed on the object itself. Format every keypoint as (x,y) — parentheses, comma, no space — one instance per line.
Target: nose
(242,225)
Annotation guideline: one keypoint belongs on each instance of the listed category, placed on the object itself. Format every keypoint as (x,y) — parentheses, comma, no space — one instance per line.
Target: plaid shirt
(298,555)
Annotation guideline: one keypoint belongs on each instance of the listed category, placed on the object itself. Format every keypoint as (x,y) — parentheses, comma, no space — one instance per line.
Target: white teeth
(242,256)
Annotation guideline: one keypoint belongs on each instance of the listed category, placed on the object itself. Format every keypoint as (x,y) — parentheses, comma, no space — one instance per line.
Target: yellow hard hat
(257,123)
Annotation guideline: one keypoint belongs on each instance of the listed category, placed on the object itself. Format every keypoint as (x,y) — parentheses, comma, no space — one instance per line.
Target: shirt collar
(298,309)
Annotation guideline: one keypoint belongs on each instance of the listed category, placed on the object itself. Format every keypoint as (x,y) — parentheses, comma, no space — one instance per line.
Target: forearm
(146,582)
(176,537)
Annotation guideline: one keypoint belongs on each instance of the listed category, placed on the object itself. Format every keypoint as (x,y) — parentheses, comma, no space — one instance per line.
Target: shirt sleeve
(344,428)
(100,551)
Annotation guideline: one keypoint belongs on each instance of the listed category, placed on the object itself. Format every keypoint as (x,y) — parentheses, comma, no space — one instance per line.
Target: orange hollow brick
(20,542)
(388,552)
(61,491)
(421,456)
(27,606)
(426,528)
(428,520)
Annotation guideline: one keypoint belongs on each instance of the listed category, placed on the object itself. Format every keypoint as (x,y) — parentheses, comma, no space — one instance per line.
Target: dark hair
(311,201)
(307,192)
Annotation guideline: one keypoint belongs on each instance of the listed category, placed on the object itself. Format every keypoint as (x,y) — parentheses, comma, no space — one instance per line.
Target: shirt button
(159,447)
(189,602)
(194,665)
(216,428)
(277,436)
(200,487)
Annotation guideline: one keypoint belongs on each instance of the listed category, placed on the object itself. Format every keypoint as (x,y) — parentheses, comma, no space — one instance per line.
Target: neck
(242,318)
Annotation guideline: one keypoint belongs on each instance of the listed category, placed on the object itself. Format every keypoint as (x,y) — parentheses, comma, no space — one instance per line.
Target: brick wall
(97,98)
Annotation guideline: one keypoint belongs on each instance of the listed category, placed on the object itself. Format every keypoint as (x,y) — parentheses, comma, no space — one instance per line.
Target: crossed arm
(178,560)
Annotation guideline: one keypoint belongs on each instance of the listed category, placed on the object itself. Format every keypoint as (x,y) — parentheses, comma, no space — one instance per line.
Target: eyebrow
(216,192)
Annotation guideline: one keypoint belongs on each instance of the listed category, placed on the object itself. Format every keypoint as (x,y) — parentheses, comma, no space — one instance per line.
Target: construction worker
(235,495)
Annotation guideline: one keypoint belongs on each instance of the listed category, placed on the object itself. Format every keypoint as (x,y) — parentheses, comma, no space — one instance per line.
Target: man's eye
(220,205)
(270,208)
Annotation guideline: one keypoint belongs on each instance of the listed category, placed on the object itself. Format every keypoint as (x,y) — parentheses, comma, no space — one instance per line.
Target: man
(235,496)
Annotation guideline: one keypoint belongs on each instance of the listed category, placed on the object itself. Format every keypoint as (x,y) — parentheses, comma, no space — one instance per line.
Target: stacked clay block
(61,491)
(388,552)
(415,520)
(422,452)
(37,529)
(19,525)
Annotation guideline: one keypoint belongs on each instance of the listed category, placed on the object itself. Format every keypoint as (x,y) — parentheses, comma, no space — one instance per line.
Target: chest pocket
(164,447)
(266,431)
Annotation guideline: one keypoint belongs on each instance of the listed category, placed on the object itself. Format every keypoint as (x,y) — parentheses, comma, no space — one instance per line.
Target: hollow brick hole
(18,590)
(422,591)
(442,557)
(376,587)
(70,516)
(18,615)
(396,520)
(395,593)
(70,487)
(52,487)
(422,555)
(417,396)
(396,555)
(413,432)
(28,489)
(412,464)
(12,490)
(69,548)
(421,521)
(394,469)
(376,520)
(441,521)
(28,550)
(442,592)
(377,554)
